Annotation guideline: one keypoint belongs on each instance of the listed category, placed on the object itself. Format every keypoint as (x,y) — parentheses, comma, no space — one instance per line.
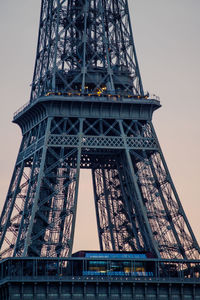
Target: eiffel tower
(88,110)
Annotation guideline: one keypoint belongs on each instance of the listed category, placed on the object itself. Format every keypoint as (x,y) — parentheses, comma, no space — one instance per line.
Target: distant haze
(167,41)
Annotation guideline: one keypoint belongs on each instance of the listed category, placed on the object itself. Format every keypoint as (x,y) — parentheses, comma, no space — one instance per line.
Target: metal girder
(136,204)
(86,46)
(117,231)
(88,110)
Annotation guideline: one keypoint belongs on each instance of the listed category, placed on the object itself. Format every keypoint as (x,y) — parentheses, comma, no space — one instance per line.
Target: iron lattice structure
(86,46)
(88,110)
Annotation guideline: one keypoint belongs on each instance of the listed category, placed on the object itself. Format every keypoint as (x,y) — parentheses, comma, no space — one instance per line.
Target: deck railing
(71,268)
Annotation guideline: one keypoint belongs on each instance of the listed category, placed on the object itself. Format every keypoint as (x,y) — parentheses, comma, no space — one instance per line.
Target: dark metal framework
(137,206)
(86,46)
(88,110)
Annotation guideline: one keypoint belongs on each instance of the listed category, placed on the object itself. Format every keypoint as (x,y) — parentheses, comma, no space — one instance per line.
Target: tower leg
(39,216)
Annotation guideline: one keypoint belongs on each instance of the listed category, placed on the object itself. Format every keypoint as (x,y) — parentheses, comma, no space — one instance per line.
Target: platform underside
(81,289)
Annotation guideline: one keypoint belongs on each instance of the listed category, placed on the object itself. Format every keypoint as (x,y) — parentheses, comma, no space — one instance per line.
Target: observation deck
(86,106)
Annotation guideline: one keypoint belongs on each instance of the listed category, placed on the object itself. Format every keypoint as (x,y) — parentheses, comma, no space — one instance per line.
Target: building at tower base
(45,279)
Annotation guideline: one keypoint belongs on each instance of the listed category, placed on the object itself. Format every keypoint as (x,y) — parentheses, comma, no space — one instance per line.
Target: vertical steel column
(195,243)
(56,47)
(168,213)
(80,136)
(127,205)
(108,208)
(9,205)
(35,160)
(109,69)
(97,209)
(35,204)
(85,37)
(134,51)
(148,238)
(104,230)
